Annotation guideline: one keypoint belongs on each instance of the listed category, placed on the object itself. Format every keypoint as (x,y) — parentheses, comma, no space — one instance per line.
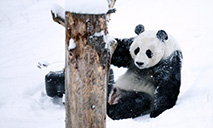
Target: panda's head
(148,48)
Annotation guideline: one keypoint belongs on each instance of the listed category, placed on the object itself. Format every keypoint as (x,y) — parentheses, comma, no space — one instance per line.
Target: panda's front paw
(154,114)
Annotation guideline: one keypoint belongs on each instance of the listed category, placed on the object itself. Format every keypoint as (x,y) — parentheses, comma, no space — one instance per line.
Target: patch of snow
(107,39)
(72,44)
(87,6)
(57,9)
(101,33)
(63,99)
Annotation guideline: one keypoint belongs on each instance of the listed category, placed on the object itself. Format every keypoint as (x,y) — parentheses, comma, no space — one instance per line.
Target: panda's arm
(121,56)
(168,87)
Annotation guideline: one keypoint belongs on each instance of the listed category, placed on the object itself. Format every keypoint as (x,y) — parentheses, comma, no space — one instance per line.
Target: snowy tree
(87,60)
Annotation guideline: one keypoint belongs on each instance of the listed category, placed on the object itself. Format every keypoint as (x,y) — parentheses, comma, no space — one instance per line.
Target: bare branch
(57,18)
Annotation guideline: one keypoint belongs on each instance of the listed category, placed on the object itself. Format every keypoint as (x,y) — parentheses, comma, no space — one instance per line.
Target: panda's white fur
(148,40)
(131,80)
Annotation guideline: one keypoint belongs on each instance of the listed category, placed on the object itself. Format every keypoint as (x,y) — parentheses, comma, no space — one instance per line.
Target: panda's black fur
(165,76)
(121,56)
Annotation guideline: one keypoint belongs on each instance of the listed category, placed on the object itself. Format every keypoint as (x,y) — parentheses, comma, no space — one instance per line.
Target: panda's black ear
(139,29)
(162,35)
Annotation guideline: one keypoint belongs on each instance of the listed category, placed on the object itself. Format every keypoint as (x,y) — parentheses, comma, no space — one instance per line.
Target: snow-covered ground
(29,36)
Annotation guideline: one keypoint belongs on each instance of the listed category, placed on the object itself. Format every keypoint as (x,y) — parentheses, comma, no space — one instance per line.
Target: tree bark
(86,70)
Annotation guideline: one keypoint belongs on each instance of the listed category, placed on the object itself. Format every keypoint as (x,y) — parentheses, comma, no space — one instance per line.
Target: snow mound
(87,6)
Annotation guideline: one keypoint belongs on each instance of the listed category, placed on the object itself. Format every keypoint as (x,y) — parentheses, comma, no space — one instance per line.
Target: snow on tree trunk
(86,70)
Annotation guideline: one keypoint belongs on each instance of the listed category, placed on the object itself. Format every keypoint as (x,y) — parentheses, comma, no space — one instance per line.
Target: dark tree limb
(58,19)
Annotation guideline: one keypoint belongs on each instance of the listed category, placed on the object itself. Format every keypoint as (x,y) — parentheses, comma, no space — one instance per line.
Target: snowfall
(29,38)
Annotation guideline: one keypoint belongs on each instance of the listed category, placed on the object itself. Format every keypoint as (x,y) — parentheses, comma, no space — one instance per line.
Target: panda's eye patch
(137,50)
(149,53)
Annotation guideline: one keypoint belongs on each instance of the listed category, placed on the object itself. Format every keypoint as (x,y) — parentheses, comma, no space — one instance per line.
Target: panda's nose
(139,63)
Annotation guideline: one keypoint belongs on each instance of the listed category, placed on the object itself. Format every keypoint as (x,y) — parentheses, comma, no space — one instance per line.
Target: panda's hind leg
(130,104)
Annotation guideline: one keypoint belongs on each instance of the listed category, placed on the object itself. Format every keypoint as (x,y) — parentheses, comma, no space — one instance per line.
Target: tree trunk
(86,70)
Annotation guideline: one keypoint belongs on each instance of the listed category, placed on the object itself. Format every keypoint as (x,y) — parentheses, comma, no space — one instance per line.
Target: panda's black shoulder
(169,68)
(121,56)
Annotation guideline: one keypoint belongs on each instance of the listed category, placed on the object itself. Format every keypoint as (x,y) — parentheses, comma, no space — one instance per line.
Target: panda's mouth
(140,65)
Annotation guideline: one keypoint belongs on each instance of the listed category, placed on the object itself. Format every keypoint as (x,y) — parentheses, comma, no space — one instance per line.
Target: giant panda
(152,81)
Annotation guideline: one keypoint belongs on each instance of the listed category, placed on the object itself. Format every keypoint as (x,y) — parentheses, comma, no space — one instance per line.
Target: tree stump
(86,70)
